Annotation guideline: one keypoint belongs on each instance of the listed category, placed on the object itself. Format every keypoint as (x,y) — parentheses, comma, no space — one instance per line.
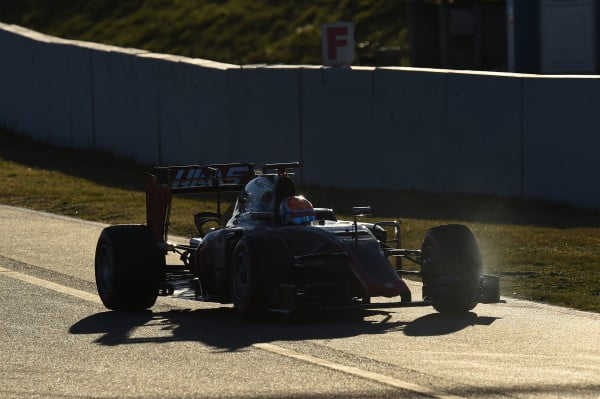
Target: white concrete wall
(483,134)
(6,86)
(408,130)
(561,123)
(115,77)
(193,113)
(141,108)
(80,81)
(17,65)
(57,94)
(337,109)
(395,128)
(262,118)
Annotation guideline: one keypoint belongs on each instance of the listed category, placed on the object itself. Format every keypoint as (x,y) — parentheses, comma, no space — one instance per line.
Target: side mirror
(356,212)
(361,210)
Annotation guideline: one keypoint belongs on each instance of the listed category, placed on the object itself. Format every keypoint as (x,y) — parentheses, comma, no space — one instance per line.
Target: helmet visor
(303,219)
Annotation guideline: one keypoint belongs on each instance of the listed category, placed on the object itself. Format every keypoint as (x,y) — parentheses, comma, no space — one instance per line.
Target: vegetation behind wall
(232,31)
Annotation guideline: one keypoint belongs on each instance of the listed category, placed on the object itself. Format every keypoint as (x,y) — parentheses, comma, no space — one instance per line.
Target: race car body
(262,258)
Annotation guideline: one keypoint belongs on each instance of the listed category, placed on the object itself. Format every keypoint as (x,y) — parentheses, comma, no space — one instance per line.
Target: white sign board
(338,43)
(568,36)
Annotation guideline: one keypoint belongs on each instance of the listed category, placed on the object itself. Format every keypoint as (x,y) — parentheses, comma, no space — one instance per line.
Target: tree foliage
(234,31)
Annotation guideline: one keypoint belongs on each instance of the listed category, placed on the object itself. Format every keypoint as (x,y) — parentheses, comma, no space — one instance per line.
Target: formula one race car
(276,252)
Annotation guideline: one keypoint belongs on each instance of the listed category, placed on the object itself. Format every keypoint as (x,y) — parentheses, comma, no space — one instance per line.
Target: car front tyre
(245,293)
(451,268)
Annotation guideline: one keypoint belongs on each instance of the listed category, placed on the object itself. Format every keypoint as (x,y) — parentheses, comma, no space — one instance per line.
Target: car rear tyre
(129,267)
(451,268)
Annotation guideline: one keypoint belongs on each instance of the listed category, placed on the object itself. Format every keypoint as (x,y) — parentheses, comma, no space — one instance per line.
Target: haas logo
(198,177)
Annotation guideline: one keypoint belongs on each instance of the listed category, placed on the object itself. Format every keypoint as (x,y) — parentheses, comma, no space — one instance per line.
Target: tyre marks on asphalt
(349,370)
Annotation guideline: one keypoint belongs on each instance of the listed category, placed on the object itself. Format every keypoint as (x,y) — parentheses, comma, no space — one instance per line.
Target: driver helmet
(296,210)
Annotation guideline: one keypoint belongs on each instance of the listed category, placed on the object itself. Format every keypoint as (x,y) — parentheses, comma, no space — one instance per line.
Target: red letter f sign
(338,43)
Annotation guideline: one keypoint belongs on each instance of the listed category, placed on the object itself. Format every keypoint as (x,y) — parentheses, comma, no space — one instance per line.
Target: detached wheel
(451,268)
(129,267)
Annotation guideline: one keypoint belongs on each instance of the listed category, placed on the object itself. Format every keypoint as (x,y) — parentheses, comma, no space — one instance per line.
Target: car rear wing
(163,182)
(203,178)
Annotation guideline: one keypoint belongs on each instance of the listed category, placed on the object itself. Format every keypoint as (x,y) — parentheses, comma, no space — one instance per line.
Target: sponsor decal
(204,177)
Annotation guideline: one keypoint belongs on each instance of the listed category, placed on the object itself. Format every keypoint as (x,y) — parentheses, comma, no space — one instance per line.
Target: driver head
(296,210)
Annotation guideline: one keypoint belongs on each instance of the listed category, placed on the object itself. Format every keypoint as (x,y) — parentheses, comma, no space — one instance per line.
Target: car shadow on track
(222,329)
(441,324)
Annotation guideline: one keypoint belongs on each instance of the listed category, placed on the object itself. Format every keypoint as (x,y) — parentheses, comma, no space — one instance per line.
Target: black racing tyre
(129,267)
(451,268)
(245,293)
(257,265)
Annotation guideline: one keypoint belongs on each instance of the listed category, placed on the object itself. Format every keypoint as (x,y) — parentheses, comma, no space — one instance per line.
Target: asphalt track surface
(58,341)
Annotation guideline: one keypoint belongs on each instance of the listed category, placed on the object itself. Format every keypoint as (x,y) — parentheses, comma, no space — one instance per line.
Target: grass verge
(233,31)
(543,252)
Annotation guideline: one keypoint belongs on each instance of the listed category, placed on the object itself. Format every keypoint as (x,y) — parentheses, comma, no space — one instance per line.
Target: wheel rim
(240,278)
(105,271)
